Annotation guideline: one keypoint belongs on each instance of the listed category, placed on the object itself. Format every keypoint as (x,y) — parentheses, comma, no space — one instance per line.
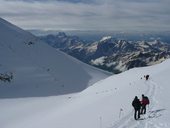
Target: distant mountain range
(95,35)
(109,53)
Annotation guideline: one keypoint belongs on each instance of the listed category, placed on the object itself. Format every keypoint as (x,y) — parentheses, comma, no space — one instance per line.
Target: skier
(137,105)
(144,102)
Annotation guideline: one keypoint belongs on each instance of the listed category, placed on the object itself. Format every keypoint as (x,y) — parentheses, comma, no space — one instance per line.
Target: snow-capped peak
(105,38)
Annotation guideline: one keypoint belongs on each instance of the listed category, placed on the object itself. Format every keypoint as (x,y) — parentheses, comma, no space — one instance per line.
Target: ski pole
(120,112)
(100,122)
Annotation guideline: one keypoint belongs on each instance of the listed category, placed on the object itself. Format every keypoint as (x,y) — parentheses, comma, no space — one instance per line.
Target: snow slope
(98,106)
(38,69)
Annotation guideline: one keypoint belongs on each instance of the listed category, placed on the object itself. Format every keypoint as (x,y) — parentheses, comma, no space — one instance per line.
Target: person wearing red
(144,102)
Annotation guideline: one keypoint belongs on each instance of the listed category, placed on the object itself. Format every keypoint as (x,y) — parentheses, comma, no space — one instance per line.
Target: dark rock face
(111,54)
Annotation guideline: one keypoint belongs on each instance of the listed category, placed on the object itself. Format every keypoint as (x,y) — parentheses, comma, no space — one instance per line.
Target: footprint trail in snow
(146,120)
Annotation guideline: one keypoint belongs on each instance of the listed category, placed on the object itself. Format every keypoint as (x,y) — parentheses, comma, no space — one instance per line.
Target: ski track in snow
(146,120)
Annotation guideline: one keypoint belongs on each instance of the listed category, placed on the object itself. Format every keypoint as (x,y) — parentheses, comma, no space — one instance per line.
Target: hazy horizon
(83,15)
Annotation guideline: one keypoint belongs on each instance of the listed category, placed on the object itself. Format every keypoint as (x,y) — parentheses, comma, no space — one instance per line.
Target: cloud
(69,1)
(88,14)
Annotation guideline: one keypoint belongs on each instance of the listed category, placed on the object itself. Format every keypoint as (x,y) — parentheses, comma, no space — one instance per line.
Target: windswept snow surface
(106,104)
(39,70)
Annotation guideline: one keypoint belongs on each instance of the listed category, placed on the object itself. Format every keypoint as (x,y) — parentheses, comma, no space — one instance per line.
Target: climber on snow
(137,106)
(144,102)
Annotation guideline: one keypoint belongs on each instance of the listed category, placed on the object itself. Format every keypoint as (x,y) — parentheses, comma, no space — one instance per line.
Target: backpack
(147,100)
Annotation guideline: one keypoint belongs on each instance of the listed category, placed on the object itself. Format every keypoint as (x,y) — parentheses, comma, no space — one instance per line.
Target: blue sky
(141,15)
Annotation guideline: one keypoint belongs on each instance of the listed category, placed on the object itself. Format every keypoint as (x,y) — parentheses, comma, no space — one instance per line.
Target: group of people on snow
(146,77)
(140,106)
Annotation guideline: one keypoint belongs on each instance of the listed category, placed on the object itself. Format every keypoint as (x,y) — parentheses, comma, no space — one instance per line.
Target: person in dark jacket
(147,77)
(137,105)
(144,102)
